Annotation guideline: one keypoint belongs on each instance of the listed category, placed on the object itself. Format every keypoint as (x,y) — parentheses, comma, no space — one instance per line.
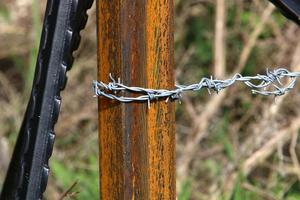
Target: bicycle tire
(289,8)
(28,172)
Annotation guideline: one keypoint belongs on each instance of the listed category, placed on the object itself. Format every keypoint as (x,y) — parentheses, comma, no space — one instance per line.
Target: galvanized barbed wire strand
(258,85)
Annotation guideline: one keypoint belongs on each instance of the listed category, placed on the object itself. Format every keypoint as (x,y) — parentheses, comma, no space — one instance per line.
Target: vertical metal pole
(137,144)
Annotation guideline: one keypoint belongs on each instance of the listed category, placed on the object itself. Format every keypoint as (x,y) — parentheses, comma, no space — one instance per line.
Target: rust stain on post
(137,144)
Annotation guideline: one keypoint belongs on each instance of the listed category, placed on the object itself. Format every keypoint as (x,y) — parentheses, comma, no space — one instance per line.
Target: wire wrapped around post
(137,145)
(268,84)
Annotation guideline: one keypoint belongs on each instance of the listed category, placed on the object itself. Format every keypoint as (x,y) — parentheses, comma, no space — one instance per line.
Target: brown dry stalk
(261,135)
(296,58)
(220,29)
(268,148)
(200,123)
(68,192)
(294,154)
(253,38)
(4,155)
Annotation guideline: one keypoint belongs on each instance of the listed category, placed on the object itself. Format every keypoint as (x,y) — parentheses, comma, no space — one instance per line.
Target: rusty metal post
(137,144)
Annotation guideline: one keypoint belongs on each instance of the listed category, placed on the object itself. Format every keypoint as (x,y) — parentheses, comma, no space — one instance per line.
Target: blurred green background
(234,145)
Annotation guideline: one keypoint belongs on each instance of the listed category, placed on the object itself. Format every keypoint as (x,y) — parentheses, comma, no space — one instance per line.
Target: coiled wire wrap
(259,84)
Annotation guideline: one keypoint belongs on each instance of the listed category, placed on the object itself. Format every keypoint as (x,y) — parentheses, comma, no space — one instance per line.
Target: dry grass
(228,145)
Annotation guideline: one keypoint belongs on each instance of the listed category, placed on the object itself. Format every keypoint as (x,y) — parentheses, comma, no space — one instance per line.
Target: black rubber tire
(289,8)
(28,172)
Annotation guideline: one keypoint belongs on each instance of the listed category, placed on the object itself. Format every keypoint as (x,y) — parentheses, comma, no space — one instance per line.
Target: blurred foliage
(75,155)
(185,191)
(37,27)
(87,187)
(4,13)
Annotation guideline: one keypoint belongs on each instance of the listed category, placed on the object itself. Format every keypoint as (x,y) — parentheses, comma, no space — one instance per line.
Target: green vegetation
(37,27)
(185,191)
(87,179)
(239,126)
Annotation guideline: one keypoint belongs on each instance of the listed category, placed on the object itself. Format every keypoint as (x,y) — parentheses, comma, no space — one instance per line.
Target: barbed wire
(267,84)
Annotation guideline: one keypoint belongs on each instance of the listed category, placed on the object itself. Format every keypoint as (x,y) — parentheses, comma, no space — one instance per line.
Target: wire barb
(267,84)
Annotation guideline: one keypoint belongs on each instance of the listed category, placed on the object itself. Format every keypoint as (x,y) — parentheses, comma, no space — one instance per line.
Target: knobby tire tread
(28,172)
